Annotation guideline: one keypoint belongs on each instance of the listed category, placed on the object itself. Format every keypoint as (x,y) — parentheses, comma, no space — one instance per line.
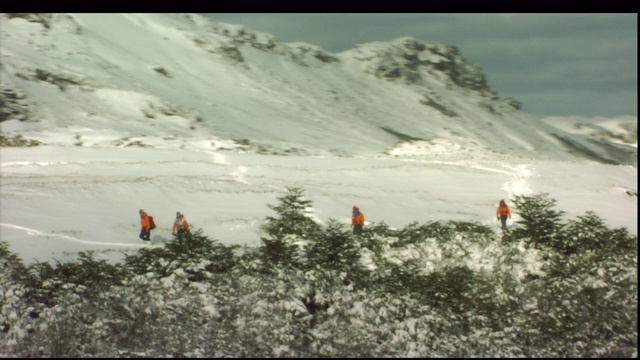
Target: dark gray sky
(556,64)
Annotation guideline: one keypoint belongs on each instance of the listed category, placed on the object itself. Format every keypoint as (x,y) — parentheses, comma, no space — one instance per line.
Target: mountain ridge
(181,79)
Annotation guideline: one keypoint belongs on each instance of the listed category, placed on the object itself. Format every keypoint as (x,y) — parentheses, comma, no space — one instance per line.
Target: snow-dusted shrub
(17,316)
(66,328)
(540,224)
(13,270)
(587,303)
(283,235)
(435,290)
(156,316)
(194,253)
(94,275)
(335,248)
(589,232)
(583,315)
(444,232)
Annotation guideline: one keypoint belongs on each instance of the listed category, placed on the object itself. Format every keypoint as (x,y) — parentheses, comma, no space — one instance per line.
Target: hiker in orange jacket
(181,224)
(145,231)
(502,213)
(357,221)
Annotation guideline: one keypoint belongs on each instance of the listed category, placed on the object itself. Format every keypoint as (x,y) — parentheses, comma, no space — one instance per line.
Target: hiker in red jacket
(502,213)
(145,231)
(357,221)
(181,224)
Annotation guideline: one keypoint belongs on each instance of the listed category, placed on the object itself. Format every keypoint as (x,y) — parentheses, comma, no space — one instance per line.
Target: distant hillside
(181,80)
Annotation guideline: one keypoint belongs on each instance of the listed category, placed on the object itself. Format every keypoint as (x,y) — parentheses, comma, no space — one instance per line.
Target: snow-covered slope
(164,80)
(172,112)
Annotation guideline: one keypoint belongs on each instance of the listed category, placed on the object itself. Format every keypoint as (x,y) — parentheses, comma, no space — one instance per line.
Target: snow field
(57,200)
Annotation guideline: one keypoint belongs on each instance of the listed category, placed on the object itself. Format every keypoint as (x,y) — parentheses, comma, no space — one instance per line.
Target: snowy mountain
(174,80)
(173,112)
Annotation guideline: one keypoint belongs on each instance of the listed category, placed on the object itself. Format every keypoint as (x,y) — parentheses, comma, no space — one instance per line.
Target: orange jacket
(503,209)
(357,219)
(144,221)
(180,223)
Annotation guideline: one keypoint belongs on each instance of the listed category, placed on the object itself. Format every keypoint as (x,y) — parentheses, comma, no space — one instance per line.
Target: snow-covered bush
(334,249)
(540,223)
(284,235)
(589,233)
(16,315)
(442,289)
(48,281)
(194,253)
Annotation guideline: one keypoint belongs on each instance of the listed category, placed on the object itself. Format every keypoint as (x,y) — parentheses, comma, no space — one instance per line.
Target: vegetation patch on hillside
(399,135)
(441,108)
(17,141)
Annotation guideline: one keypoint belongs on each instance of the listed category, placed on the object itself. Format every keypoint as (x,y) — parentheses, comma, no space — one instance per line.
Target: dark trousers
(357,229)
(503,219)
(180,232)
(145,234)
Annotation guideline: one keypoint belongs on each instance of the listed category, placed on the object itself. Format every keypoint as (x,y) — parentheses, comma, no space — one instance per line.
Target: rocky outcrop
(307,54)
(412,61)
(60,79)
(40,18)
(234,37)
(48,21)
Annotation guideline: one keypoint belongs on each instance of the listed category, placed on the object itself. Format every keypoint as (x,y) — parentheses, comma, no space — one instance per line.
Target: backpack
(152,225)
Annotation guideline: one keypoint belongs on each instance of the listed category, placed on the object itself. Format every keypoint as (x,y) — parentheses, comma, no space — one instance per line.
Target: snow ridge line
(67,237)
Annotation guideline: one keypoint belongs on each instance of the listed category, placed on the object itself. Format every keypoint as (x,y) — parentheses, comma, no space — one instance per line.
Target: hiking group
(180,225)
(357,218)
(147,224)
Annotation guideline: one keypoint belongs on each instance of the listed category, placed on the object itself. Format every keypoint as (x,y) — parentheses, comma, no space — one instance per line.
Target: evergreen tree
(541,223)
(283,232)
(11,267)
(589,232)
(335,249)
